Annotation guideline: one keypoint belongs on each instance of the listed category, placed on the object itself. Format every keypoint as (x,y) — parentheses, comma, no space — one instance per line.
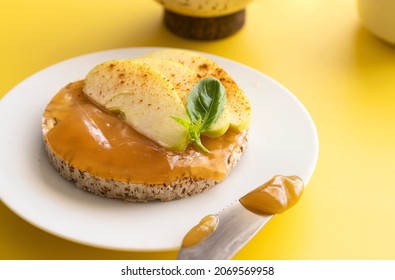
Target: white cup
(378,16)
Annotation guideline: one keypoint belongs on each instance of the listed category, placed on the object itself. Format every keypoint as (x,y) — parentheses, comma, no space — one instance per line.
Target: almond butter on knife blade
(222,235)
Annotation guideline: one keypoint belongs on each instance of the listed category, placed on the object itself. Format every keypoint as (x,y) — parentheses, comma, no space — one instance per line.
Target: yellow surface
(343,75)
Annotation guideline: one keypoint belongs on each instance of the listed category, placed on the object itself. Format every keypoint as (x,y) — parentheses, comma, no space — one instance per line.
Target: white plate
(283,140)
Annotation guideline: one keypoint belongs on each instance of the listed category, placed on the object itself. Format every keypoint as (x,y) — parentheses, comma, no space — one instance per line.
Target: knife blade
(236,226)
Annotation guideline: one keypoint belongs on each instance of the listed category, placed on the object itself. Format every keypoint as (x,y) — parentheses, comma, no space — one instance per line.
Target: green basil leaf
(206,102)
(182,122)
(194,132)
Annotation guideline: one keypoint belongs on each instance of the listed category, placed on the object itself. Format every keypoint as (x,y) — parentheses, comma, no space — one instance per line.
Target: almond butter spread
(101,143)
(275,196)
(201,231)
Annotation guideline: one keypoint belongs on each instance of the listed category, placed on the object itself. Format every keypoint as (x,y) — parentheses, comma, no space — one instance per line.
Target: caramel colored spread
(201,231)
(101,143)
(274,196)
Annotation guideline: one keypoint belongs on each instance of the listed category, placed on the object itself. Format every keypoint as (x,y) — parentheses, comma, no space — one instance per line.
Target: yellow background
(342,74)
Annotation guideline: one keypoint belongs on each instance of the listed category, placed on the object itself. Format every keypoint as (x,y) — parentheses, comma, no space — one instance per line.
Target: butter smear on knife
(273,197)
(199,232)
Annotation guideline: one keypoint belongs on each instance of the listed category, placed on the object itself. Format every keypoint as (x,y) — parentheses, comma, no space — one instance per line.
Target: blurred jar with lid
(378,16)
(202,19)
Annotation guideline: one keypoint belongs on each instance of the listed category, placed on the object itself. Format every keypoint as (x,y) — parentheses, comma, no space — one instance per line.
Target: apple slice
(184,79)
(144,96)
(220,127)
(238,104)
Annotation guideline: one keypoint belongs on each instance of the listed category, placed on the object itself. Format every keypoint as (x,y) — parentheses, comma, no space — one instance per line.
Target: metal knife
(236,226)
